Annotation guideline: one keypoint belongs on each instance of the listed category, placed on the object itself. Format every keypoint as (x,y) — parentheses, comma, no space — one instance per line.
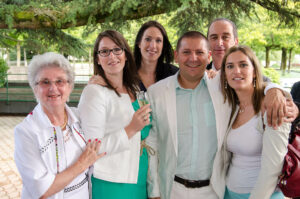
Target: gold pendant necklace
(242,110)
(65,121)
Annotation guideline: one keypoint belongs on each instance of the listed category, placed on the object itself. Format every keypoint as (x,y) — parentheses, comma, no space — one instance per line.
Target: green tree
(272,74)
(40,23)
(266,33)
(63,14)
(3,70)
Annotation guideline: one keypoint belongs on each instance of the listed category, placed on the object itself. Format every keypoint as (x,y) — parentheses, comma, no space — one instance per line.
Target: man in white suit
(189,123)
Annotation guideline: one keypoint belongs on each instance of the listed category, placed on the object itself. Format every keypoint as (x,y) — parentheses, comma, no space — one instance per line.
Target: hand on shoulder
(97,79)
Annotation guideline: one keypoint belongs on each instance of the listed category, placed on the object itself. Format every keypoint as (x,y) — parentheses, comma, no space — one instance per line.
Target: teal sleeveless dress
(109,190)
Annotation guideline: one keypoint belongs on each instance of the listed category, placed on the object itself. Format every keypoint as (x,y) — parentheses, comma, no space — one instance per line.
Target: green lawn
(291,74)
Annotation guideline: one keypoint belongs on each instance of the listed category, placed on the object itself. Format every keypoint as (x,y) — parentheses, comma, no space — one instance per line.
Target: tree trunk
(25,58)
(290,59)
(18,54)
(283,60)
(8,57)
(31,18)
(267,57)
(74,64)
(90,62)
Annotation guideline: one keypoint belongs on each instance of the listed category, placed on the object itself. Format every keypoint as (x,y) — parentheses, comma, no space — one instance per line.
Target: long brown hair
(166,53)
(230,94)
(130,76)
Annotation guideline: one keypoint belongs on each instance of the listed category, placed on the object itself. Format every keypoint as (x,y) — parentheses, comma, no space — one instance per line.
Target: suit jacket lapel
(222,110)
(170,97)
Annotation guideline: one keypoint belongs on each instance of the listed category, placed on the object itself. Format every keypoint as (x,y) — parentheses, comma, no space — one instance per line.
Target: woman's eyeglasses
(106,52)
(45,83)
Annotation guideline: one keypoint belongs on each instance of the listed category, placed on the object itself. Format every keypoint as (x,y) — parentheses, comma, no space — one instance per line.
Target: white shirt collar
(213,67)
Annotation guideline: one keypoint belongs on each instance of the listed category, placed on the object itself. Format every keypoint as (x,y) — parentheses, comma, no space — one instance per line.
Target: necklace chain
(63,126)
(243,108)
(55,138)
(56,150)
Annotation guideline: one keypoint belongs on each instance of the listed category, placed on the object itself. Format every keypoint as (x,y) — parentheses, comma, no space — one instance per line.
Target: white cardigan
(104,115)
(273,152)
(35,152)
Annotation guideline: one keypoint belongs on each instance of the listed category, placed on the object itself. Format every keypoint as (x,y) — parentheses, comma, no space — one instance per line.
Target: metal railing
(17,89)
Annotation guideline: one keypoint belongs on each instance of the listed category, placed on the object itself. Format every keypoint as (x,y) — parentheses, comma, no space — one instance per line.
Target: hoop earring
(254,83)
(225,84)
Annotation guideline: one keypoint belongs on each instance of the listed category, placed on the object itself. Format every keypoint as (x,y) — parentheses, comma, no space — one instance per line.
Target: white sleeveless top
(245,143)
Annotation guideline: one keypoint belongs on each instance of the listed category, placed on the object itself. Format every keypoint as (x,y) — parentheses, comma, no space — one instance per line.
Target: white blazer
(163,135)
(35,152)
(104,115)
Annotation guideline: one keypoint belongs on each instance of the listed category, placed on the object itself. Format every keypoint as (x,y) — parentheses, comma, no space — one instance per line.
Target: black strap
(295,129)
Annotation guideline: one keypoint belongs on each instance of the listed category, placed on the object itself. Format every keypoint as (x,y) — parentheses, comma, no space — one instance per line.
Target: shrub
(3,71)
(277,66)
(272,74)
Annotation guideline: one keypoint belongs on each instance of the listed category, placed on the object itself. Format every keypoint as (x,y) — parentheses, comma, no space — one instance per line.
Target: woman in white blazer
(108,113)
(253,152)
(50,150)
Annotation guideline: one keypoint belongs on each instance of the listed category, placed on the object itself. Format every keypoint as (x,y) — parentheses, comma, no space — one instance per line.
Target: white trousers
(179,191)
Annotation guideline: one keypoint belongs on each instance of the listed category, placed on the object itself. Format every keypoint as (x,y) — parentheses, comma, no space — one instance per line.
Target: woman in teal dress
(127,191)
(111,114)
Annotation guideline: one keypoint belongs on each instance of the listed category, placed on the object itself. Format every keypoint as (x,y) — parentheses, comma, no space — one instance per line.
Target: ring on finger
(145,118)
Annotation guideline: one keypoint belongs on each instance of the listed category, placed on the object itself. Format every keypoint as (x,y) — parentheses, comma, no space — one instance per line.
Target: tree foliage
(38,24)
(63,14)
(40,41)
(3,70)
(266,33)
(272,74)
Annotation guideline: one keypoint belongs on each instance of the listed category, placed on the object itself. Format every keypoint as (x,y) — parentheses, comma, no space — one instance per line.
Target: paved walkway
(10,181)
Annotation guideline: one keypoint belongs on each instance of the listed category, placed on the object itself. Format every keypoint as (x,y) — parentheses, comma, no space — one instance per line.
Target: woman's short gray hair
(49,59)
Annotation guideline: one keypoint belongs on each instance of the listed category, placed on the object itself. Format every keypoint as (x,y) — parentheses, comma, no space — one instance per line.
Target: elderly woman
(51,153)
(253,152)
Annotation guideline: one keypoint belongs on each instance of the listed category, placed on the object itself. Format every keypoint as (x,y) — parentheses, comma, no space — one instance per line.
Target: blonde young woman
(253,152)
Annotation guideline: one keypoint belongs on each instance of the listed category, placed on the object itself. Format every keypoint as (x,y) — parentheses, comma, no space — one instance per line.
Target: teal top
(197,134)
(146,129)
(232,195)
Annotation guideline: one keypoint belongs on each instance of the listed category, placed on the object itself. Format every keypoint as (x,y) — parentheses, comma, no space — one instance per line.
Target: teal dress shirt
(197,134)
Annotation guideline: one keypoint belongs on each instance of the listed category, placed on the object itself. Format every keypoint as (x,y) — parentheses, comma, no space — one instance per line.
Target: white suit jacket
(163,135)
